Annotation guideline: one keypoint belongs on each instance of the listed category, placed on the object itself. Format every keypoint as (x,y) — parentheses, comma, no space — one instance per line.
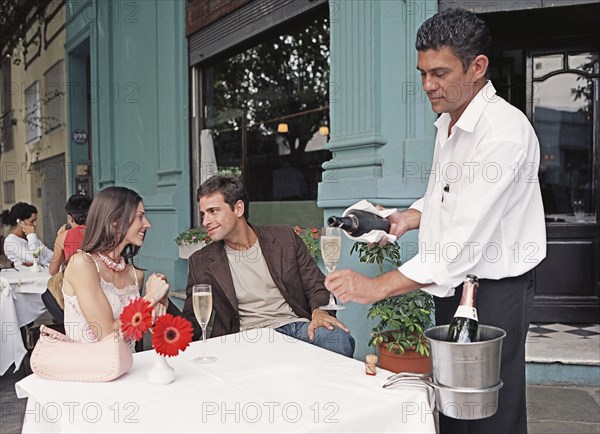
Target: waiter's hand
(402,222)
(348,285)
(321,318)
(399,225)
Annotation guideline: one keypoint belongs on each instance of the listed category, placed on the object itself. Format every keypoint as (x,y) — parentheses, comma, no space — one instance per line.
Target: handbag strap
(49,332)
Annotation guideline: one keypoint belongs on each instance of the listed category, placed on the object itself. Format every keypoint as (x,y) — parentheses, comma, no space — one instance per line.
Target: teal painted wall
(139,112)
(381,123)
(382,131)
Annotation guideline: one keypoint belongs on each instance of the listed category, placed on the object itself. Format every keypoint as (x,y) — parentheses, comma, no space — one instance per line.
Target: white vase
(186,250)
(161,372)
(36,267)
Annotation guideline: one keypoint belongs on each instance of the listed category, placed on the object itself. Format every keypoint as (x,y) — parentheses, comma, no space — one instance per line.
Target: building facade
(34,153)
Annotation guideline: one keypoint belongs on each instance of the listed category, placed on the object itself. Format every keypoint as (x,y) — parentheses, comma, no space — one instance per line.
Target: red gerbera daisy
(171,334)
(136,318)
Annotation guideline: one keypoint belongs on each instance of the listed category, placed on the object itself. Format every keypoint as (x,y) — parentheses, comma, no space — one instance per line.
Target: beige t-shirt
(259,300)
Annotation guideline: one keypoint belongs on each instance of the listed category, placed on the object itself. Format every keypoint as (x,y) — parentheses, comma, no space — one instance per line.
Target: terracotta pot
(410,361)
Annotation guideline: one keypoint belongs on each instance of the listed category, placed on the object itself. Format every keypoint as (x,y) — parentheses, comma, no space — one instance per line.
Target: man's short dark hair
(231,187)
(77,207)
(458,29)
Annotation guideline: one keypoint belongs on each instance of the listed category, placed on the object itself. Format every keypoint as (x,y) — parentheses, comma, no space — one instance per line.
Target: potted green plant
(402,319)
(191,240)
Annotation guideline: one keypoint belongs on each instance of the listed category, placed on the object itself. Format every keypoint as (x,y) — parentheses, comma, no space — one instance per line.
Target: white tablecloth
(262,382)
(20,304)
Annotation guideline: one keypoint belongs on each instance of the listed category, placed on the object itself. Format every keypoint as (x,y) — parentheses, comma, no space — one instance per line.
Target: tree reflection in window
(284,78)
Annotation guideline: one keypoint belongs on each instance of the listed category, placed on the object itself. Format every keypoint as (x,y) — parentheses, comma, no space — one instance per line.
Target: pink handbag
(56,357)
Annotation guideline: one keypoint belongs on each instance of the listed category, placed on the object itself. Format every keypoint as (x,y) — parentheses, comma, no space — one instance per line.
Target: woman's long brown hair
(109,217)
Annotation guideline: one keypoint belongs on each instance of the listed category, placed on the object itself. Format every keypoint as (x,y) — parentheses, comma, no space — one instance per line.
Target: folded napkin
(5,288)
(375,235)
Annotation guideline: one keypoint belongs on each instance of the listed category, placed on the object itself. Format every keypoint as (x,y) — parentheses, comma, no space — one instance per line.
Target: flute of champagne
(331,248)
(202,303)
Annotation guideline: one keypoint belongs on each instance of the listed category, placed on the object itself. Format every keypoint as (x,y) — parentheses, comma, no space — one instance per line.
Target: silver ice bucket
(474,365)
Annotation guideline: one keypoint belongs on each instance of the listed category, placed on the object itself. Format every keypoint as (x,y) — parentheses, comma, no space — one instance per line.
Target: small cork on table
(371,364)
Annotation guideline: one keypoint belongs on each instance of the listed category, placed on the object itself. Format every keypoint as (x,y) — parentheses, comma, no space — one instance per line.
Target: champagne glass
(331,248)
(202,302)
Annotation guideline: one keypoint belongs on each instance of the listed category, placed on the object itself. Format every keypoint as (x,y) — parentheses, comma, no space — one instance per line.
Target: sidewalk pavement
(563,409)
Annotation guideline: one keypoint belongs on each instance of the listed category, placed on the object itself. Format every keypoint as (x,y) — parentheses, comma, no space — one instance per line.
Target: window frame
(33,109)
(55,117)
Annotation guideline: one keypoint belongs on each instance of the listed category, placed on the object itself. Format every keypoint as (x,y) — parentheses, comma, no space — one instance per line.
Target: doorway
(80,120)
(547,64)
(54,195)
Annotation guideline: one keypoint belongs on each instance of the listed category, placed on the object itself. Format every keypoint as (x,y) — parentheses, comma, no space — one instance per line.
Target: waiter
(482,213)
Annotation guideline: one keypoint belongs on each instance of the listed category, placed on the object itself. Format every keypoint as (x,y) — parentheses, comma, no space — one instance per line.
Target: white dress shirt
(482,213)
(19,250)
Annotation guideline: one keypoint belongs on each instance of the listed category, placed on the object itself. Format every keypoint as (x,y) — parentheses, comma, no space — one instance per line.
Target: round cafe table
(20,304)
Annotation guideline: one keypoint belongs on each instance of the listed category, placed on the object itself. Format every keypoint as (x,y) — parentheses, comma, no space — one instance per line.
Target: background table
(262,382)
(20,304)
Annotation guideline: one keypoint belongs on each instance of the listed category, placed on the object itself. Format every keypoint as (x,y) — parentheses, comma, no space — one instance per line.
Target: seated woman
(68,241)
(100,280)
(22,242)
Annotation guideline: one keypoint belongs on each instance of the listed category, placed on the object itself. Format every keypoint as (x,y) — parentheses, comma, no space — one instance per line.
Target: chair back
(57,312)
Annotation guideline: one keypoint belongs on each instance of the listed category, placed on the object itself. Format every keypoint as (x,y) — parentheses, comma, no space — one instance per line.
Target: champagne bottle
(357,222)
(464,326)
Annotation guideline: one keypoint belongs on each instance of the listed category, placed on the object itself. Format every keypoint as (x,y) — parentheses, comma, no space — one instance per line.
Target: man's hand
(348,285)
(321,318)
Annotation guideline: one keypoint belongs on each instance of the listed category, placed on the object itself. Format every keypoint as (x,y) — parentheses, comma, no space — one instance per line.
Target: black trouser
(507,304)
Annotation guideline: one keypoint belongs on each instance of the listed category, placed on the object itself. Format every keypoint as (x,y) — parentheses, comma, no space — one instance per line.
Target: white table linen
(262,382)
(20,304)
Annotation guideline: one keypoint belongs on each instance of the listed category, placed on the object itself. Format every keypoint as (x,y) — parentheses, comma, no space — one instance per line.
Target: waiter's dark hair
(458,29)
(231,187)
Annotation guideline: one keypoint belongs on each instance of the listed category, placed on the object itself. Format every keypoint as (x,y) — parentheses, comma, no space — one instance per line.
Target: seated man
(260,276)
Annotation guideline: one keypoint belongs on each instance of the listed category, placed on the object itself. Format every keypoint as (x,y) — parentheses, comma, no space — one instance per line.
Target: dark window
(53,96)
(7,121)
(266,107)
(9,191)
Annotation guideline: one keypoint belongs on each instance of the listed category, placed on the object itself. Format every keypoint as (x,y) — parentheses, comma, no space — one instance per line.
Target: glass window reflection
(563,113)
(587,62)
(543,65)
(266,106)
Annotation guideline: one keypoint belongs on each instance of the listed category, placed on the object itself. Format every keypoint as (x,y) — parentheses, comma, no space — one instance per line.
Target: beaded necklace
(116,266)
